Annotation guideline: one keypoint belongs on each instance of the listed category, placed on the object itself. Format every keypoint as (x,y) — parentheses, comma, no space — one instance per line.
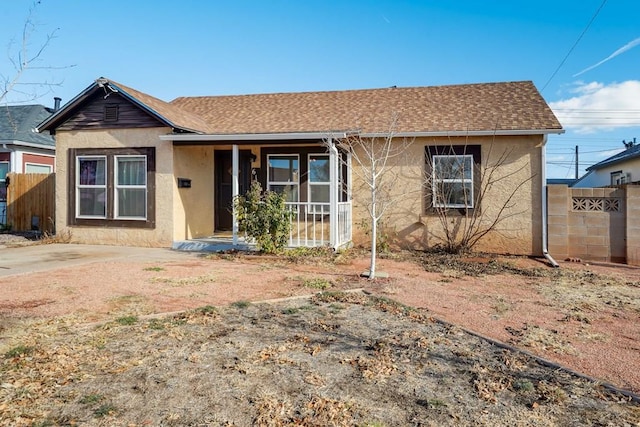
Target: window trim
(474,150)
(111,220)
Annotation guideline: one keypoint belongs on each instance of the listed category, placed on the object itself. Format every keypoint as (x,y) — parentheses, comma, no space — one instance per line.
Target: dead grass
(336,359)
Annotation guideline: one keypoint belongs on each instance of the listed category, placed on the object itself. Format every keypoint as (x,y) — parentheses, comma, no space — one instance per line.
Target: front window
(113,187)
(4,170)
(283,176)
(452,181)
(131,187)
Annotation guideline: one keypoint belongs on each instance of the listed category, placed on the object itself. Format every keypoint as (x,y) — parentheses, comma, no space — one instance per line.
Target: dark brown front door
(223,184)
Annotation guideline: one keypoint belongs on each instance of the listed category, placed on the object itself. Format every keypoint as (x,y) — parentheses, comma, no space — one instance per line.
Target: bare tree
(376,162)
(25,59)
(460,189)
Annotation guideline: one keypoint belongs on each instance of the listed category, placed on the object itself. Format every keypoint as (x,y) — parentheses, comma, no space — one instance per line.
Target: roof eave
(606,163)
(256,136)
(151,111)
(517,132)
(28,144)
(342,134)
(52,120)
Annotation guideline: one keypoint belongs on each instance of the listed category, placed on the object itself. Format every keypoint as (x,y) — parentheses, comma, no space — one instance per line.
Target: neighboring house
(22,149)
(135,170)
(621,168)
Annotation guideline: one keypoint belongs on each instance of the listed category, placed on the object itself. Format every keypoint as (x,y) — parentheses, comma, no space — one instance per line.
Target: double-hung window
(452,181)
(452,172)
(319,182)
(283,175)
(113,187)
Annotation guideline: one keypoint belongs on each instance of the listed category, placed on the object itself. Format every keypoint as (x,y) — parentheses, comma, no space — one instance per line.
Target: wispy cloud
(597,106)
(620,51)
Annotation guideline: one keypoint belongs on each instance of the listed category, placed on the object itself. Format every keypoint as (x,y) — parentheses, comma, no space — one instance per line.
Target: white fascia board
(465,133)
(254,136)
(27,144)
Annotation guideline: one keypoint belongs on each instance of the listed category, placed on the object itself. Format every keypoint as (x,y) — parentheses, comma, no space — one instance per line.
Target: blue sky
(184,48)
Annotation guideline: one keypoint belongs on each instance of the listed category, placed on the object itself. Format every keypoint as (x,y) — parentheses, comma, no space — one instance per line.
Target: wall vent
(111,113)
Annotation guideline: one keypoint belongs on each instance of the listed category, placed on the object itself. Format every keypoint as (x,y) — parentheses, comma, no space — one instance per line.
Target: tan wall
(161,235)
(194,207)
(595,224)
(410,225)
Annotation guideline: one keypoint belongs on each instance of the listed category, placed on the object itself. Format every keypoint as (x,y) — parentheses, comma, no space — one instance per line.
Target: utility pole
(577,162)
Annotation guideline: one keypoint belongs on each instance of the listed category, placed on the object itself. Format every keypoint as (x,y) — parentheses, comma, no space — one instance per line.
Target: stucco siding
(409,223)
(161,234)
(193,207)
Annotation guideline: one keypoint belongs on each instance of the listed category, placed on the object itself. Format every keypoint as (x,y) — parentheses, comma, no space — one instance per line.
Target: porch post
(333,193)
(234,190)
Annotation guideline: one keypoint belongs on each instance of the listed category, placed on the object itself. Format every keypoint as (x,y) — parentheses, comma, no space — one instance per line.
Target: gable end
(113,112)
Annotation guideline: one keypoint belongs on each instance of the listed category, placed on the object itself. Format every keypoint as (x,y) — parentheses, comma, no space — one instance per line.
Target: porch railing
(311,224)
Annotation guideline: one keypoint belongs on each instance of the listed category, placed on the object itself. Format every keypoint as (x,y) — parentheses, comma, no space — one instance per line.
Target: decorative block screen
(595,204)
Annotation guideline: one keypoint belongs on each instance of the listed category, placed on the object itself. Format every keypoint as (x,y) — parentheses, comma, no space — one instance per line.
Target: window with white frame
(319,178)
(284,175)
(452,181)
(130,187)
(4,170)
(37,168)
(91,187)
(113,187)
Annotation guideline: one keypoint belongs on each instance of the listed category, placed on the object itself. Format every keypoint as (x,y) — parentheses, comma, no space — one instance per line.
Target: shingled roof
(18,122)
(510,106)
(628,154)
(171,113)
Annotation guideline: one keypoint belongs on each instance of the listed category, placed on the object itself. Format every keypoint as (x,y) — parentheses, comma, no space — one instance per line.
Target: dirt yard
(94,345)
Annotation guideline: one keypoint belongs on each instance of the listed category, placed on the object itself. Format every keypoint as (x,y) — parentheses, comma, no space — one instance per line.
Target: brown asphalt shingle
(173,113)
(468,107)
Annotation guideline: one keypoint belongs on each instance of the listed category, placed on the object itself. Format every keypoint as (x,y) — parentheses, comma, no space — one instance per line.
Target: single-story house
(621,168)
(22,149)
(135,170)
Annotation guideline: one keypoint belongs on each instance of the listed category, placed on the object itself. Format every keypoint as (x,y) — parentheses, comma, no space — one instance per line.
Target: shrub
(264,217)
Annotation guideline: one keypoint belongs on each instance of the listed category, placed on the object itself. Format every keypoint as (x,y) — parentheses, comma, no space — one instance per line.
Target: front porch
(309,169)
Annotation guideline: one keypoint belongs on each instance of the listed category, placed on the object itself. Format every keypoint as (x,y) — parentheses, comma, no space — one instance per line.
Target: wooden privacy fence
(31,202)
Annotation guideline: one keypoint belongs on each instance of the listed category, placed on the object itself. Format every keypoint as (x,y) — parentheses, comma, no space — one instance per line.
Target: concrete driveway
(34,258)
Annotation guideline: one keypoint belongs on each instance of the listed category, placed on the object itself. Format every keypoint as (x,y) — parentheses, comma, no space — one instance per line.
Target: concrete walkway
(34,258)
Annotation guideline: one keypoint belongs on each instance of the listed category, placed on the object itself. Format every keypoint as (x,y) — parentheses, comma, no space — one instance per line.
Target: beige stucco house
(136,170)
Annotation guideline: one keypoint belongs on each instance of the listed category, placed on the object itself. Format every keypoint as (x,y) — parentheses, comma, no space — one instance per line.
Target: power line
(574,45)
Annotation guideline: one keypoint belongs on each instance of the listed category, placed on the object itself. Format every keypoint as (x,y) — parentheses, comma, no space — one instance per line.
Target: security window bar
(452,181)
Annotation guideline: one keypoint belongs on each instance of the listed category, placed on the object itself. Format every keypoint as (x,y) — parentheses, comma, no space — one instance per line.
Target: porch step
(206,245)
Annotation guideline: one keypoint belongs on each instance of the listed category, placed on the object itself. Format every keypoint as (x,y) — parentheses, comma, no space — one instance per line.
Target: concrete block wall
(633,225)
(593,223)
